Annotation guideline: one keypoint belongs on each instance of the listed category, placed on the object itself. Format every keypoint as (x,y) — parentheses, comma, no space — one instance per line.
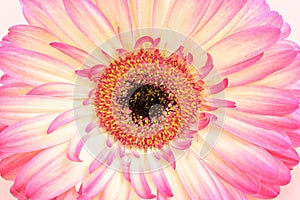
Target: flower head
(183,99)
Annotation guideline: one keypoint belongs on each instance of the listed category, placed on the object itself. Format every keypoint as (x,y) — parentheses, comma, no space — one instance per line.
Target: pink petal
(58,15)
(185,15)
(233,25)
(284,175)
(255,41)
(266,18)
(36,15)
(146,39)
(190,167)
(262,100)
(274,59)
(78,54)
(64,173)
(295,138)
(289,157)
(70,116)
(217,103)
(14,109)
(160,12)
(235,177)
(247,157)
(37,39)
(139,181)
(235,193)
(207,68)
(218,15)
(75,147)
(277,123)
(89,20)
(119,182)
(117,12)
(218,87)
(57,89)
(14,89)
(4,155)
(6,79)
(10,166)
(141,13)
(285,30)
(96,182)
(240,66)
(21,136)
(268,191)
(34,68)
(159,178)
(287,75)
(24,36)
(35,164)
(104,158)
(269,139)
(70,194)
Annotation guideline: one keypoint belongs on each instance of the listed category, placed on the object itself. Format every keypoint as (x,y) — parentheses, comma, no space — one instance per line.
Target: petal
(289,157)
(78,54)
(188,168)
(287,75)
(64,173)
(185,15)
(160,12)
(262,100)
(37,16)
(33,67)
(35,164)
(70,116)
(59,16)
(14,89)
(89,20)
(236,23)
(14,109)
(9,167)
(6,79)
(247,157)
(225,71)
(255,41)
(70,194)
(62,90)
(268,191)
(218,87)
(21,136)
(139,181)
(177,185)
(141,13)
(268,18)
(269,139)
(295,138)
(117,12)
(37,39)
(218,15)
(274,123)
(96,182)
(235,177)
(119,182)
(274,59)
(159,178)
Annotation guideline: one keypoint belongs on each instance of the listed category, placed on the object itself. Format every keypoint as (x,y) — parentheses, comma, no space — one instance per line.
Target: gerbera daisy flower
(133,99)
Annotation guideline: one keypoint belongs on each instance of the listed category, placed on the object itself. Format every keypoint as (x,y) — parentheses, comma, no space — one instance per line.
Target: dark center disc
(149,97)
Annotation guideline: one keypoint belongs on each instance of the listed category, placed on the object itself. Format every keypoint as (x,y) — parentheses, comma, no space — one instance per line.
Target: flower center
(146,99)
(148,102)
